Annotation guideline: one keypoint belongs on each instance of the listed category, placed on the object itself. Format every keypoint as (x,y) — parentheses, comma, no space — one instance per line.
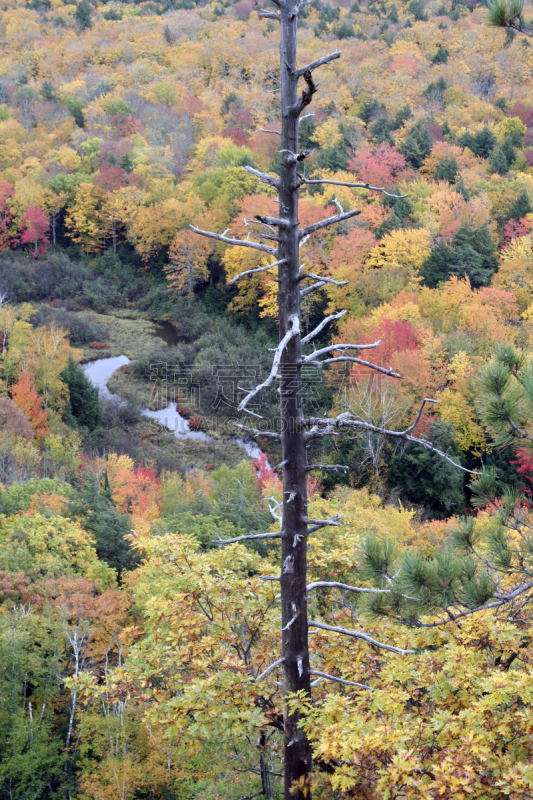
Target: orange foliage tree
(25,397)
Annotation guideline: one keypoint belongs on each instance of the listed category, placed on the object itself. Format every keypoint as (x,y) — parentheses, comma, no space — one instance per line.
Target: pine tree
(83,408)
(83,14)
(447,170)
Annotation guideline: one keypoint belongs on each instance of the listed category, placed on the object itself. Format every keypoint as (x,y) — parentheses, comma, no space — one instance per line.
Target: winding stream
(99,373)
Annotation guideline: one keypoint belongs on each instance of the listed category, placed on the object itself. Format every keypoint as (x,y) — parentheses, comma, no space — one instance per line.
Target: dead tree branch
(270,669)
(220,237)
(360,635)
(390,372)
(344,421)
(294,330)
(320,62)
(325,676)
(368,186)
(329,221)
(320,327)
(332,467)
(322,278)
(342,348)
(250,536)
(254,271)
(264,177)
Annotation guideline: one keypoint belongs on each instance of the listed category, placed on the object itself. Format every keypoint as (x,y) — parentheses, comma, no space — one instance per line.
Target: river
(99,373)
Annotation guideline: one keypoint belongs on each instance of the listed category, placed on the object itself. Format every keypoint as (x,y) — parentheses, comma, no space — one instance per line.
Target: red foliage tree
(125,125)
(395,336)
(515,228)
(379,166)
(111,177)
(524,113)
(265,473)
(524,467)
(238,137)
(25,397)
(35,227)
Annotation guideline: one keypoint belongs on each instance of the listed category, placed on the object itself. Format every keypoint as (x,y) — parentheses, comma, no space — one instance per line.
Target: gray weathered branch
(264,177)
(346,586)
(333,467)
(254,271)
(219,237)
(270,669)
(300,5)
(341,347)
(322,278)
(309,289)
(294,330)
(322,325)
(360,635)
(344,421)
(272,221)
(369,186)
(329,221)
(327,677)
(318,63)
(354,360)
(256,432)
(317,524)
(250,536)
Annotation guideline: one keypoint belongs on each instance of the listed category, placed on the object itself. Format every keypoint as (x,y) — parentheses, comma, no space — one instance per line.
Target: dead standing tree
(296,433)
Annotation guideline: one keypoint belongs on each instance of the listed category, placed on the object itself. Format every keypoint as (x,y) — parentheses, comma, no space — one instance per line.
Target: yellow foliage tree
(454,408)
(84,218)
(188,256)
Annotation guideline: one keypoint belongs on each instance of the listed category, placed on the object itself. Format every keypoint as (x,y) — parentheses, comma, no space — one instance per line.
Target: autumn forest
(148,492)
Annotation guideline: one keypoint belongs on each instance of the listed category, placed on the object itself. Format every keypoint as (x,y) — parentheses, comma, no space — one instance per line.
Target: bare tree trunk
(295,648)
(266,783)
(296,432)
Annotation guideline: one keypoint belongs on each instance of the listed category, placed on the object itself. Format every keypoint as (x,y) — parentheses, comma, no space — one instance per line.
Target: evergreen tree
(83,14)
(460,188)
(485,142)
(368,107)
(476,254)
(439,265)
(380,131)
(472,253)
(426,478)
(83,408)
(400,213)
(333,158)
(417,9)
(402,115)
(498,162)
(519,207)
(417,145)
(95,508)
(482,144)
(447,170)
(441,56)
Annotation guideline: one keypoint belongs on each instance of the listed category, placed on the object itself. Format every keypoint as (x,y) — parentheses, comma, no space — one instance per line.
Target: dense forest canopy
(138,658)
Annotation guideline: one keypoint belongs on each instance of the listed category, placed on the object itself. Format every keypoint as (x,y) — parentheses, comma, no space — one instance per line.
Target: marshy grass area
(130,336)
(190,453)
